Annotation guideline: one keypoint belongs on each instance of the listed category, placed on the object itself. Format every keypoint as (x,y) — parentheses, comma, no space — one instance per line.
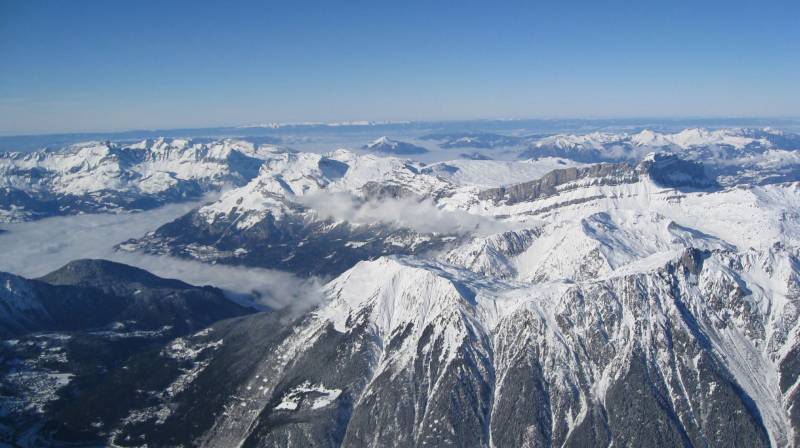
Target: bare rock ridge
(664,169)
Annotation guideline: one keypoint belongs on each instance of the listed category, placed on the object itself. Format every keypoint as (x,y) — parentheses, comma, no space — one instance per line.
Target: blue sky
(113,65)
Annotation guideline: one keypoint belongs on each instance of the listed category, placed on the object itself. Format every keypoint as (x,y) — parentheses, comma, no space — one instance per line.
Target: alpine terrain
(604,289)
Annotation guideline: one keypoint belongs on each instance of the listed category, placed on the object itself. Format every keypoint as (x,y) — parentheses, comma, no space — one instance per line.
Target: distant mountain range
(107,177)
(112,177)
(384,145)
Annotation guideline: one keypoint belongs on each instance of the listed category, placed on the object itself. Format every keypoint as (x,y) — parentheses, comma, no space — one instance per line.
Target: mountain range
(628,290)
(388,146)
(110,177)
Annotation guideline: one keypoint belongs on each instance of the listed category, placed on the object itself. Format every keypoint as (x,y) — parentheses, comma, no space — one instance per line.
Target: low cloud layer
(33,249)
(421,216)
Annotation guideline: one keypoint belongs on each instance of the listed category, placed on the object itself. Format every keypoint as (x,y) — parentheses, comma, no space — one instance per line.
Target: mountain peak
(393,292)
(386,145)
(101,273)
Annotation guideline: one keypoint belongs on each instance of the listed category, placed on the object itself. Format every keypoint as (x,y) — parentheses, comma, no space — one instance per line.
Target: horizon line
(277,125)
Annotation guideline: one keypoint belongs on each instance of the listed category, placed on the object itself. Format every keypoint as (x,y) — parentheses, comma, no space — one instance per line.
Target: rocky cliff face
(664,170)
(548,185)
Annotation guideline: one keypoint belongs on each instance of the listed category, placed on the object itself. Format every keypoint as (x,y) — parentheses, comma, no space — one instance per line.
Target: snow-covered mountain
(108,177)
(635,301)
(385,145)
(112,177)
(304,208)
(482,140)
(731,139)
(734,155)
(698,347)
(494,173)
(626,292)
(312,207)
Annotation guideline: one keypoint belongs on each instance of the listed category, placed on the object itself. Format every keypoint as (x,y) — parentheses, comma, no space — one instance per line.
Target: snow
(591,238)
(382,143)
(685,139)
(285,181)
(182,350)
(148,167)
(39,387)
(318,397)
(570,141)
(495,173)
(590,258)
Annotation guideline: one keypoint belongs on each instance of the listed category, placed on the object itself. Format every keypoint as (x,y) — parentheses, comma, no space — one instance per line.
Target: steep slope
(697,350)
(634,303)
(663,169)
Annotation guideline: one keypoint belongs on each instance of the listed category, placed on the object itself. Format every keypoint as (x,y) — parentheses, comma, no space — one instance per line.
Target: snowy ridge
(735,156)
(494,173)
(114,177)
(105,176)
(685,139)
(385,145)
(599,281)
(698,137)
(283,180)
(394,295)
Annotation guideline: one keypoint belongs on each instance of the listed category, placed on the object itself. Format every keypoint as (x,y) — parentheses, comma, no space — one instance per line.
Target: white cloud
(422,216)
(33,249)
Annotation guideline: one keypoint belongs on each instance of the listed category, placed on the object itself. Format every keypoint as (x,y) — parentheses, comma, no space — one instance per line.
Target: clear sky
(113,65)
